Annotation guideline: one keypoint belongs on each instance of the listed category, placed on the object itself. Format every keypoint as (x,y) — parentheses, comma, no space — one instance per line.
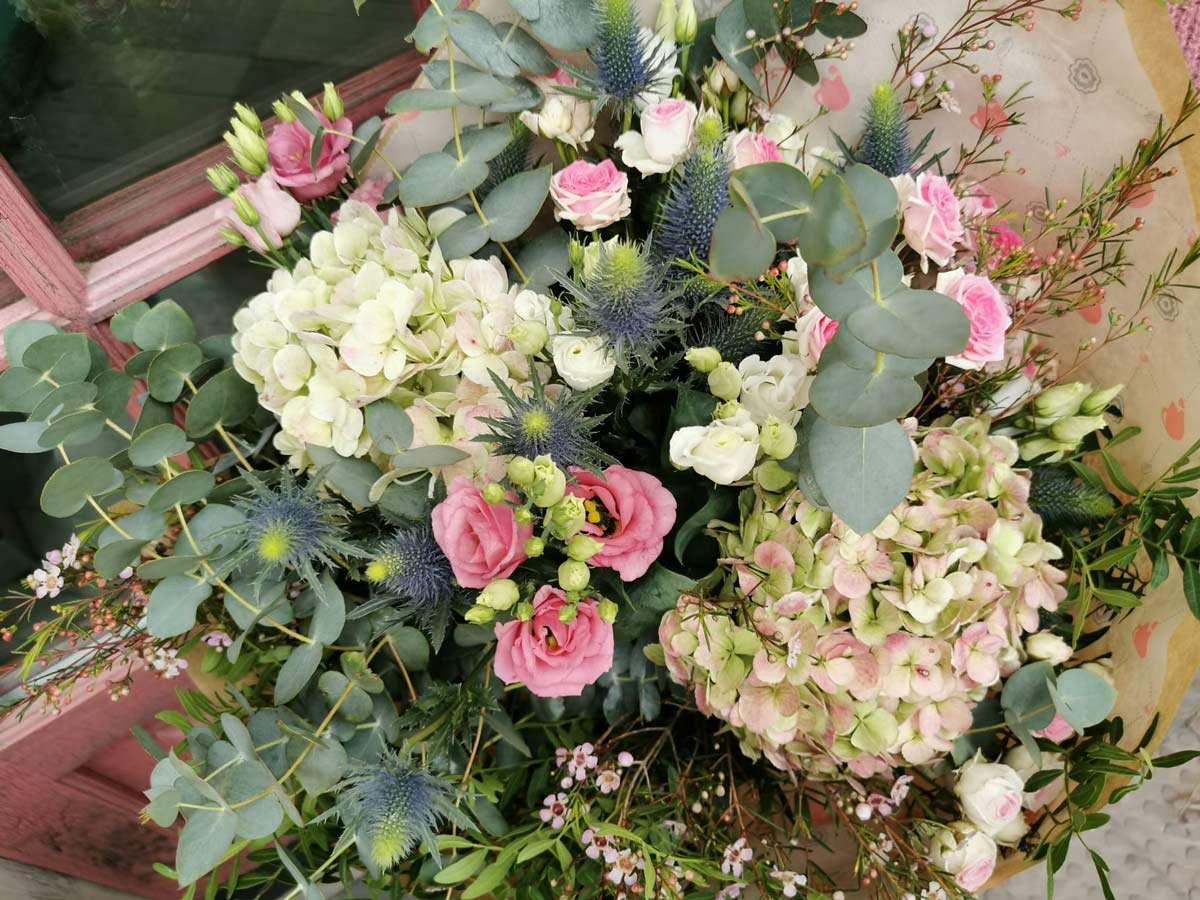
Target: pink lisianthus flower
(554,658)
(986,310)
(482,541)
(634,513)
(290,150)
(590,195)
(278,214)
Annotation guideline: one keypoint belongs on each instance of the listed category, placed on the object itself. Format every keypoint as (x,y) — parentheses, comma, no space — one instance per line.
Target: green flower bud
(248,116)
(282,111)
(664,22)
(529,337)
(739,106)
(524,611)
(687,23)
(1098,401)
(1036,447)
(773,477)
(522,515)
(493,492)
(223,179)
(331,103)
(500,595)
(567,517)
(549,482)
(232,236)
(573,575)
(252,143)
(298,96)
(521,471)
(583,547)
(725,381)
(1061,401)
(722,78)
(479,615)
(777,439)
(607,610)
(568,612)
(244,208)
(534,547)
(1074,429)
(575,253)
(703,359)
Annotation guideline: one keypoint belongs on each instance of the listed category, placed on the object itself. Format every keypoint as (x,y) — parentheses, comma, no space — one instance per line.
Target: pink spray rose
(590,195)
(554,658)
(482,541)
(988,313)
(749,147)
(290,150)
(932,220)
(632,513)
(278,213)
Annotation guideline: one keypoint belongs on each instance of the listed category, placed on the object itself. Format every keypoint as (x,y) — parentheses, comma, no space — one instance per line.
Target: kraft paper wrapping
(1098,85)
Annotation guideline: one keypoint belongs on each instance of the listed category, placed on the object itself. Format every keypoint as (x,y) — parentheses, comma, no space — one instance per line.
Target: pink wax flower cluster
(869,651)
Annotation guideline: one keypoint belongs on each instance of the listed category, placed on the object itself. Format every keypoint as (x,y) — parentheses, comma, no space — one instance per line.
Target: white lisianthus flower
(724,451)
(664,139)
(774,387)
(991,794)
(582,362)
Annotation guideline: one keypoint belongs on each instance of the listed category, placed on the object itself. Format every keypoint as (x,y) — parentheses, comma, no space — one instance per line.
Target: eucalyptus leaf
(437,178)
(203,842)
(514,203)
(62,401)
(735,48)
(173,604)
(22,437)
(60,358)
(463,237)
(864,473)
(742,247)
(297,671)
(1083,698)
(164,325)
(225,399)
(124,322)
(185,488)
(779,193)
(564,24)
(21,389)
(388,424)
(1027,695)
(167,373)
(69,488)
(475,36)
(411,646)
(155,444)
(544,257)
(20,335)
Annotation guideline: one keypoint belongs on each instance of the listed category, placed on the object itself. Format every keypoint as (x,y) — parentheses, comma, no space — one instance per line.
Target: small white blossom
(166,660)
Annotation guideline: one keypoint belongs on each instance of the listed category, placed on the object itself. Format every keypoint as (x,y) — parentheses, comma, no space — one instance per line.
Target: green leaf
(389,426)
(164,325)
(20,335)
(61,358)
(463,237)
(225,399)
(216,530)
(983,733)
(68,489)
(324,765)
(763,17)
(297,671)
(738,51)
(462,868)
(500,722)
(427,457)
(1172,760)
(742,247)
(836,22)
(350,477)
(62,401)
(864,473)
(564,24)
(421,99)
(74,429)
(22,437)
(858,387)
(368,133)
(112,558)
(185,488)
(1084,698)
(430,30)
(778,192)
(544,257)
(167,566)
(437,178)
(329,618)
(524,50)
(649,597)
(1027,695)
(125,321)
(112,394)
(854,221)
(475,36)
(21,389)
(411,646)
(165,377)
(1191,585)
(514,203)
(173,604)
(482,143)
(155,444)
(488,880)
(720,504)
(535,848)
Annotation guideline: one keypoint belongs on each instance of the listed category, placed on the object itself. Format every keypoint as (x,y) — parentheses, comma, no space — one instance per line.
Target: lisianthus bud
(1037,446)
(739,106)
(575,252)
(607,610)
(245,209)
(1061,401)
(725,381)
(282,111)
(722,78)
(1098,401)
(1074,429)
(687,23)
(331,103)
(1048,646)
(583,547)
(529,337)
(726,410)
(521,471)
(479,615)
(703,359)
(222,178)
(248,116)
(549,483)
(252,144)
(573,575)
(522,515)
(493,493)
(535,547)
(524,611)
(500,595)
(567,517)
(233,236)
(298,97)
(568,613)
(777,439)
(771,476)
(664,22)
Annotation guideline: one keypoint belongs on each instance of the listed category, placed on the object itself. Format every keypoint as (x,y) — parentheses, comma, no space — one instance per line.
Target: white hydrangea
(376,311)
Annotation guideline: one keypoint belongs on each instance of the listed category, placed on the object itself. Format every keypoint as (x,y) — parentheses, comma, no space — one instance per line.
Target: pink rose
(749,147)
(822,332)
(590,195)
(554,658)
(976,875)
(482,541)
(1058,730)
(629,512)
(1005,241)
(932,220)
(290,150)
(987,311)
(664,139)
(278,213)
(978,204)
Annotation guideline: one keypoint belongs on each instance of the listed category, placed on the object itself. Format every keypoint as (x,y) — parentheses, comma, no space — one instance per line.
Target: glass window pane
(96,94)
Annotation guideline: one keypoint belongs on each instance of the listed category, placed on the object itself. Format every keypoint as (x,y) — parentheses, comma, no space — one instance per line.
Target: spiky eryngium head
(733,335)
(885,144)
(393,806)
(413,576)
(510,161)
(622,68)
(626,298)
(1060,498)
(697,196)
(538,426)
(290,526)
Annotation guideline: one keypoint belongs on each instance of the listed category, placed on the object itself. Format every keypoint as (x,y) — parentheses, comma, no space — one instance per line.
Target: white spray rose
(969,856)
(991,794)
(784,131)
(1022,762)
(724,451)
(583,362)
(1048,646)
(664,139)
(562,117)
(774,387)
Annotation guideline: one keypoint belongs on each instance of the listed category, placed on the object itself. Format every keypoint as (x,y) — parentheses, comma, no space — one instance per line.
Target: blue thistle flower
(698,194)
(885,142)
(289,526)
(627,299)
(538,426)
(393,807)
(626,64)
(412,576)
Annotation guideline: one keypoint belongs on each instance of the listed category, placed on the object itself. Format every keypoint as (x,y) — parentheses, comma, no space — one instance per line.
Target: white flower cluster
(375,311)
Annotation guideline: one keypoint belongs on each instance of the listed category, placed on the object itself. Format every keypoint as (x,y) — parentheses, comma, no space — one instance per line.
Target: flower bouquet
(631,497)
